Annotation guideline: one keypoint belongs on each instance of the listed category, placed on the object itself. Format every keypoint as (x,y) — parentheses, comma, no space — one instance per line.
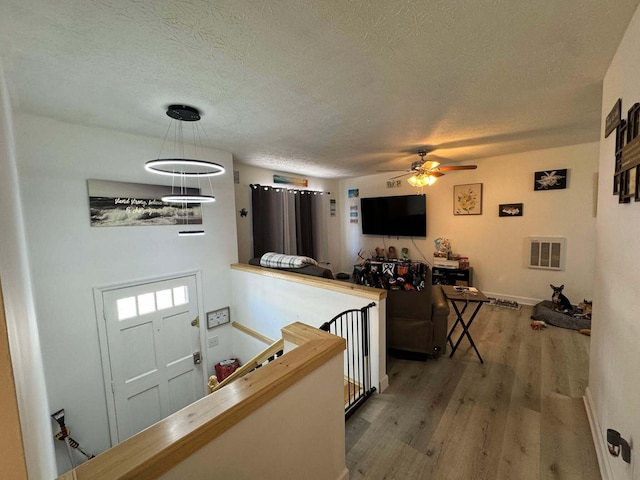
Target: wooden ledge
(168,442)
(370,293)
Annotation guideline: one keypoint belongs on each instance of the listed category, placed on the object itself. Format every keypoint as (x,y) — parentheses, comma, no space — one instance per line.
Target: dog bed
(544,311)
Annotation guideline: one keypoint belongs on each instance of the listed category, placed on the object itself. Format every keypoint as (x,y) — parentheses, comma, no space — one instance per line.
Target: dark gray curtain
(285,221)
(306,224)
(268,220)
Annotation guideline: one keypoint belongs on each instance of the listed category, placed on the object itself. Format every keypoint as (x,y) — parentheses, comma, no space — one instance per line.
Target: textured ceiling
(323,88)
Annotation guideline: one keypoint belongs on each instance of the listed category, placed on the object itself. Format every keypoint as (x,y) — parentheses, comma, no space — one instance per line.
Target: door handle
(197,358)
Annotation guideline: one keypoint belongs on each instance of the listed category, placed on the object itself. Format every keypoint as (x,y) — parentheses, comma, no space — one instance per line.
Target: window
(130,307)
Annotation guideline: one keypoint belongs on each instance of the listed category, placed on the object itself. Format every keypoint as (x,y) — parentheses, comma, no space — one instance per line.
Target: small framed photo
(218,317)
(510,210)
(550,180)
(467,199)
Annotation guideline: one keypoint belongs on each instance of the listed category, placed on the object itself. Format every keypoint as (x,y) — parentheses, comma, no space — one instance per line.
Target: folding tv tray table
(465,298)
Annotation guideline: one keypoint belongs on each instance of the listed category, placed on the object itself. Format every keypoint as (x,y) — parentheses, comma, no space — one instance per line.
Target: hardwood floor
(518,416)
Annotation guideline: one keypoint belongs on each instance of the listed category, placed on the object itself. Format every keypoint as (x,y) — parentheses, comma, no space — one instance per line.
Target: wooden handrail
(252,332)
(157,449)
(371,293)
(259,359)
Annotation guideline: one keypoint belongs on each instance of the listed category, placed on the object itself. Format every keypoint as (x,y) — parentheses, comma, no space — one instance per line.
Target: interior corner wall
(253,175)
(69,258)
(496,245)
(22,328)
(613,379)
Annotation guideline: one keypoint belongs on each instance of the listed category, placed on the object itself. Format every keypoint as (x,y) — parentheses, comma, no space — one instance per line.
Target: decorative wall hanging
(298,182)
(354,193)
(467,199)
(613,119)
(121,204)
(510,210)
(626,182)
(550,180)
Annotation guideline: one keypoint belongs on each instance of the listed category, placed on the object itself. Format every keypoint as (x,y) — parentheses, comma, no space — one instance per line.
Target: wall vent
(546,252)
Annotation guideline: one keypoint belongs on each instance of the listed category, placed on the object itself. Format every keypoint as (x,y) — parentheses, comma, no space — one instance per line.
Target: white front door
(152,337)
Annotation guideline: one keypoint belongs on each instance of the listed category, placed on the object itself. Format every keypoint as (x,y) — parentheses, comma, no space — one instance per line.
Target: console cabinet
(452,276)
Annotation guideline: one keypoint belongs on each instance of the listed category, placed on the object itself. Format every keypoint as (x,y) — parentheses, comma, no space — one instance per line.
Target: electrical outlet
(213,341)
(218,317)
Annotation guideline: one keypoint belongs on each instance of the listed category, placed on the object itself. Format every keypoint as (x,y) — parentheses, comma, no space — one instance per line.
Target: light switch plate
(218,317)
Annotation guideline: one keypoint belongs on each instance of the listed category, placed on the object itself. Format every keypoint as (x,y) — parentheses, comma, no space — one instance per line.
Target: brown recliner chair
(417,322)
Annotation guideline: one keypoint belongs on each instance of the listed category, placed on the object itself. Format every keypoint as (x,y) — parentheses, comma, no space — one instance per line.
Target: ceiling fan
(425,172)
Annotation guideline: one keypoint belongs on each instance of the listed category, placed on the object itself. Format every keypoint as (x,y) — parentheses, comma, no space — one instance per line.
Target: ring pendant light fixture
(184,168)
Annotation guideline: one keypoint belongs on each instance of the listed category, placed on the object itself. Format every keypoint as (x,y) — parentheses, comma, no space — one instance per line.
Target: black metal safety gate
(353,326)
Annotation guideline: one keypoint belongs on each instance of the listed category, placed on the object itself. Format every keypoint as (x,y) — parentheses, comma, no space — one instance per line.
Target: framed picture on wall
(467,199)
(510,210)
(550,180)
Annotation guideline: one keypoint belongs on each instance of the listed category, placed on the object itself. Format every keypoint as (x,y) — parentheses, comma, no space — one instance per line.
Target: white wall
(20,313)
(275,303)
(496,245)
(613,380)
(297,435)
(253,175)
(69,258)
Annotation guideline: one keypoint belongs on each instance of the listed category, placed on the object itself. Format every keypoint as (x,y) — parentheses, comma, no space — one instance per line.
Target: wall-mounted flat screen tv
(404,215)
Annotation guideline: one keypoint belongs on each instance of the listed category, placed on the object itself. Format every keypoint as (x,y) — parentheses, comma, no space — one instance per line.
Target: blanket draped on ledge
(279,260)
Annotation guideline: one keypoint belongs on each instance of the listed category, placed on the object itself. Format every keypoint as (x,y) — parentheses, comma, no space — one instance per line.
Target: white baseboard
(598,440)
(344,475)
(520,300)
(384,384)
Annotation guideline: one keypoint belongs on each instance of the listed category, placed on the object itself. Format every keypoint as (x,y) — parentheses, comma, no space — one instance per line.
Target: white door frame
(104,346)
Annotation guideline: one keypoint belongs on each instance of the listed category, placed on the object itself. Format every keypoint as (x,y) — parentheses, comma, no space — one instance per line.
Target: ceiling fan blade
(436,174)
(458,167)
(430,165)
(403,175)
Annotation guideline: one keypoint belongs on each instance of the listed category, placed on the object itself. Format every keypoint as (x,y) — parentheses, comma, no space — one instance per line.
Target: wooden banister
(362,291)
(157,449)
(14,462)
(259,359)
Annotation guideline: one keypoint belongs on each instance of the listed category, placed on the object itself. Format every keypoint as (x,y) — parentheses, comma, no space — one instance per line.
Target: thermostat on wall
(218,317)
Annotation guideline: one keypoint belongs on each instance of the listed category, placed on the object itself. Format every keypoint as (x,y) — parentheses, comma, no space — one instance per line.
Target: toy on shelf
(443,247)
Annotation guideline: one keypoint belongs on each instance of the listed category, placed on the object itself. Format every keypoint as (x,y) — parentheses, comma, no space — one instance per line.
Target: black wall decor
(550,180)
(613,119)
(510,210)
(627,154)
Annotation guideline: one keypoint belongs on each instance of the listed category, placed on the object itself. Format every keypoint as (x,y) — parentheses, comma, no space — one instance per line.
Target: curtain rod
(290,190)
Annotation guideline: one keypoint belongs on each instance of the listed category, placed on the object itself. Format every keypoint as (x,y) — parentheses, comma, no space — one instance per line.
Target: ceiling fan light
(413,181)
(430,179)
